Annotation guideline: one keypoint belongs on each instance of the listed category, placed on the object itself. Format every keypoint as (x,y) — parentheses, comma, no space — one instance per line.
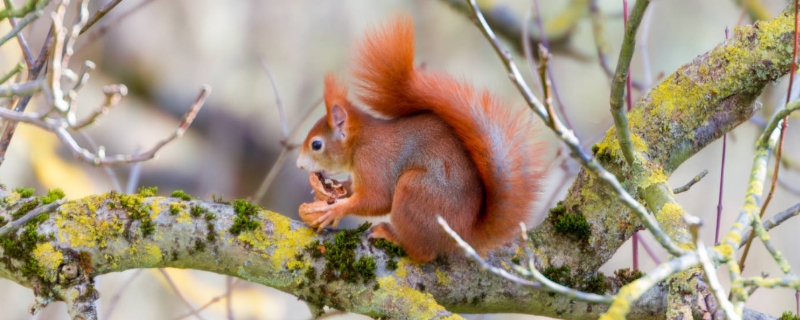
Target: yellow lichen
(144,255)
(12,198)
(442,278)
(155,208)
(184,216)
(401,268)
(416,305)
(80,226)
(287,242)
(670,217)
(296,265)
(47,256)
(256,238)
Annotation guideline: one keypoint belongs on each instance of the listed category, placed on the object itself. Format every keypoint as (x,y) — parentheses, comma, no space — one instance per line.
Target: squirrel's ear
(335,92)
(336,118)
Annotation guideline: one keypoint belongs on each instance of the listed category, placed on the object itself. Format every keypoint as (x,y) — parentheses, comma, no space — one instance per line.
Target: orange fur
(446,149)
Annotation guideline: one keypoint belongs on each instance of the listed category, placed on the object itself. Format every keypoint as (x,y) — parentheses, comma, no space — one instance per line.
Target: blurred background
(163,51)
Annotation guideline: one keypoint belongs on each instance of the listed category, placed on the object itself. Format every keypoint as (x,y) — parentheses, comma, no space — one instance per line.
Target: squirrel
(427,145)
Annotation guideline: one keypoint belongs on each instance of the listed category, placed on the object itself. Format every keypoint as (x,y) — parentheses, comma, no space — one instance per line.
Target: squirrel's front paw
(320,214)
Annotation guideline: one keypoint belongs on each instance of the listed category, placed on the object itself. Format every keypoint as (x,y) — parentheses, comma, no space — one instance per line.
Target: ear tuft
(335,92)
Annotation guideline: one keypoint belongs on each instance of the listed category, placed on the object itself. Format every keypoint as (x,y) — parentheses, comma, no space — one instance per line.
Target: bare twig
(99,15)
(113,95)
(60,128)
(179,293)
(27,217)
(542,282)
(287,147)
(569,138)
(691,183)
(103,29)
(619,81)
(278,102)
(17,69)
(228,292)
(782,134)
(26,50)
(213,300)
(775,221)
(19,26)
(708,267)
(115,298)
(21,89)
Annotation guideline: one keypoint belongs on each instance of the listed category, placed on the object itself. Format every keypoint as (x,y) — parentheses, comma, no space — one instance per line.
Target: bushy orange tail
(500,141)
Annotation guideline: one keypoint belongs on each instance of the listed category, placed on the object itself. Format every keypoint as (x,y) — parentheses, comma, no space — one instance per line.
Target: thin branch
(568,137)
(721,187)
(113,95)
(632,291)
(103,29)
(122,289)
(287,147)
(278,102)
(19,26)
(26,50)
(179,293)
(11,12)
(60,128)
(27,217)
(16,69)
(620,79)
(776,171)
(708,267)
(24,89)
(99,15)
(542,282)
(471,253)
(228,290)
(691,183)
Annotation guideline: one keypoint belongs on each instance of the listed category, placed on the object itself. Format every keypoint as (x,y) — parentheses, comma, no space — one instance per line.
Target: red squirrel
(427,145)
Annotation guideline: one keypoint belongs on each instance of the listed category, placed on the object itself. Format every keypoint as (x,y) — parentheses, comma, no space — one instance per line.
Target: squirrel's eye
(316,145)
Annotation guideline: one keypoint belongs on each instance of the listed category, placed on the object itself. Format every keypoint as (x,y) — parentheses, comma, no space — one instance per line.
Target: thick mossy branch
(688,110)
(103,234)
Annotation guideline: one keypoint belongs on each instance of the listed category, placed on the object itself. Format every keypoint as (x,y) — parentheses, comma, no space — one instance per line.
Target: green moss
(595,283)
(573,224)
(219,199)
(246,214)
(137,210)
(148,191)
(595,148)
(340,257)
(175,208)
(626,275)
(53,195)
(25,208)
(788,315)
(559,209)
(392,250)
(147,227)
(20,246)
(3,222)
(199,246)
(24,192)
(181,195)
(515,260)
(210,217)
(559,274)
(197,211)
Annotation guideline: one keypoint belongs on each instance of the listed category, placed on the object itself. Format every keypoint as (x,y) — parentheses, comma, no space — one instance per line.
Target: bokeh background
(164,50)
